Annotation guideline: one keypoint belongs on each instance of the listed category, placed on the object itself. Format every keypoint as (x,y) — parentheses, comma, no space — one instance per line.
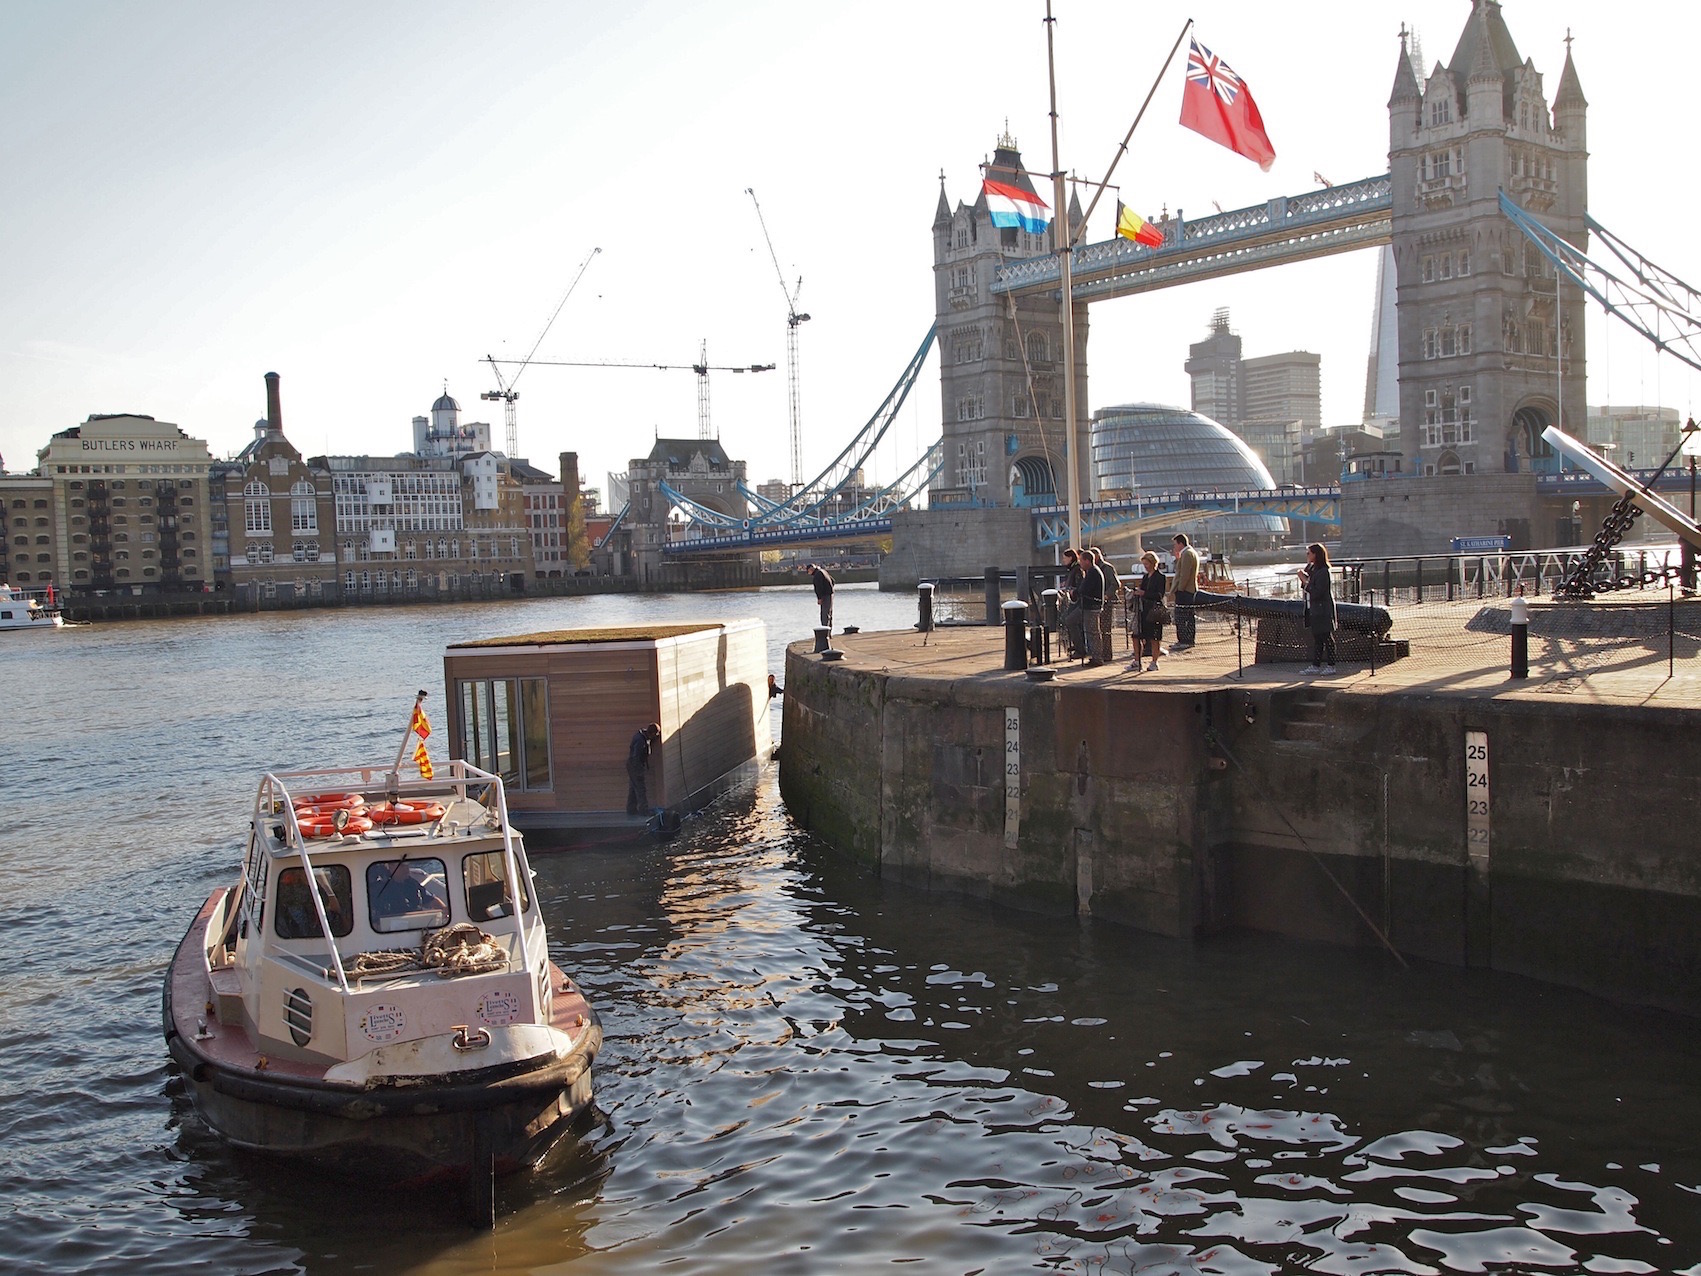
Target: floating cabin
(554,713)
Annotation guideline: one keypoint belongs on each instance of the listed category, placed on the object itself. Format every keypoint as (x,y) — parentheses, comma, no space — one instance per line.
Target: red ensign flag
(1217,103)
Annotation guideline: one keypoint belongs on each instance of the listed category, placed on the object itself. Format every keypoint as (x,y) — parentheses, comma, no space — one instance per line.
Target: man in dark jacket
(1092,603)
(823,592)
(638,767)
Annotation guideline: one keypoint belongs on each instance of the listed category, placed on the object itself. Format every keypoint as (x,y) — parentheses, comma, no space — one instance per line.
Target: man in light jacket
(1184,592)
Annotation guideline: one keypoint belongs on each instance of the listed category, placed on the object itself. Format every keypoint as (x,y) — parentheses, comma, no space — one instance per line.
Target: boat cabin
(554,715)
(351,879)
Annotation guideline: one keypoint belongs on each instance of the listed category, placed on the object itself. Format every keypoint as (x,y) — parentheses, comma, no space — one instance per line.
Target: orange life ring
(332,801)
(326,826)
(405,812)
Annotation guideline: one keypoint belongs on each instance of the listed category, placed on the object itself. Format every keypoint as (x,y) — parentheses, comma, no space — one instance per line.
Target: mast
(1063,237)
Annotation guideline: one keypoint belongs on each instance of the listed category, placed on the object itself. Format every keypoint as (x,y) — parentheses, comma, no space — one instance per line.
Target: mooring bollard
(1015,635)
(1520,635)
(924,607)
(993,595)
(1048,610)
(822,634)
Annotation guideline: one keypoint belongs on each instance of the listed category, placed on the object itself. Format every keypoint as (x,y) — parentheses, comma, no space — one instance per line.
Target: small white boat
(431,1037)
(19,610)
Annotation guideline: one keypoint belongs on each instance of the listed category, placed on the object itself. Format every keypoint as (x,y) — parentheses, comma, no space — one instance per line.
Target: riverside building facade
(128,508)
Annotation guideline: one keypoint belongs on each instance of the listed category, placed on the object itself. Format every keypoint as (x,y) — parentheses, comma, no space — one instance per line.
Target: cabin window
(486,875)
(505,729)
(407,895)
(296,917)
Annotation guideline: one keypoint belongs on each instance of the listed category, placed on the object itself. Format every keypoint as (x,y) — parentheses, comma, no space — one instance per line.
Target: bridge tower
(1491,347)
(1003,443)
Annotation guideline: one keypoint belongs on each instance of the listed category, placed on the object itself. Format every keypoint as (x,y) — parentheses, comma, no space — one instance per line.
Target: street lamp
(1690,450)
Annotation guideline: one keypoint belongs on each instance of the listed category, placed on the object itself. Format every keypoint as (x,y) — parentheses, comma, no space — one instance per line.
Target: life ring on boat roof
(326,825)
(382,813)
(326,803)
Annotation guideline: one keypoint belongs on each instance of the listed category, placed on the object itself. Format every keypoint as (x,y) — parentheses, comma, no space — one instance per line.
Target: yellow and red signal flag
(423,761)
(420,724)
(1130,225)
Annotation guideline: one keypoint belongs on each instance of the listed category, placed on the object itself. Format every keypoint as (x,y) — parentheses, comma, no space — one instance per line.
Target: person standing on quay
(823,592)
(1150,598)
(638,769)
(1320,615)
(1112,593)
(1092,603)
(1186,593)
(1074,575)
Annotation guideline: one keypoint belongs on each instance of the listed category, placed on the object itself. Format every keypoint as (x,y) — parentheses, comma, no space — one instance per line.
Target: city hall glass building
(1146,449)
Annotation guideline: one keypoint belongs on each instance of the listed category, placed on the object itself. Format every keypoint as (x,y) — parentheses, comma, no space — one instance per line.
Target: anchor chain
(1580,584)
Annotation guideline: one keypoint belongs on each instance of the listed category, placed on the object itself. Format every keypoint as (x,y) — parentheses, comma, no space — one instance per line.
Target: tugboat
(430,1037)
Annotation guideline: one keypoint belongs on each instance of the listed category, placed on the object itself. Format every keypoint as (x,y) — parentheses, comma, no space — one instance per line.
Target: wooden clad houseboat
(554,714)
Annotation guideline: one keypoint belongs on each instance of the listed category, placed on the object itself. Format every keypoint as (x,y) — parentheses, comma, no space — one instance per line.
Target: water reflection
(806,1070)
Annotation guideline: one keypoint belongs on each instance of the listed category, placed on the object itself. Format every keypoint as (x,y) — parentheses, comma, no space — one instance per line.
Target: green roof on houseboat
(579,637)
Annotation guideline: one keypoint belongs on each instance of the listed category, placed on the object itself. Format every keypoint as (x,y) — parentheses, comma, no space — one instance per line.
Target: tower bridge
(1489,347)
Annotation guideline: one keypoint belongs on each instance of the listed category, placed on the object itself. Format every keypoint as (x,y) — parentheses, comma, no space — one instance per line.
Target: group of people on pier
(1092,591)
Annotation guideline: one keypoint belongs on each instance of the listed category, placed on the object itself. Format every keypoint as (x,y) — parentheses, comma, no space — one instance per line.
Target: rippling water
(805,1070)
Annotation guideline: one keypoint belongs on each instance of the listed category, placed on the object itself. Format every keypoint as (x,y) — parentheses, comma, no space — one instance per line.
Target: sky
(369,199)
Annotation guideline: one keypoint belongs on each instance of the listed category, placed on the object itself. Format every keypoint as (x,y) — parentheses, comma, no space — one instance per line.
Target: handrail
(462,774)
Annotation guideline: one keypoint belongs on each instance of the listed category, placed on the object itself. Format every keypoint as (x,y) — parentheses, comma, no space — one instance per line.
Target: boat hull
(503,1118)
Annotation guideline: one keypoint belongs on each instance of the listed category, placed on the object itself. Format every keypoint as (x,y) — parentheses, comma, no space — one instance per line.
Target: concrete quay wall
(1325,816)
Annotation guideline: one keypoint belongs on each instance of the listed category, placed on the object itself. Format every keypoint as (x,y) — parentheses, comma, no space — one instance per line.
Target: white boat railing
(274,799)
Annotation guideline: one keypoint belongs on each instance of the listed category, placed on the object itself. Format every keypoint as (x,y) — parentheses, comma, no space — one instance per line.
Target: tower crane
(793,319)
(702,368)
(505,391)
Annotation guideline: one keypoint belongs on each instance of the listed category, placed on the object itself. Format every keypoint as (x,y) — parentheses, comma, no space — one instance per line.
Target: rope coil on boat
(461,949)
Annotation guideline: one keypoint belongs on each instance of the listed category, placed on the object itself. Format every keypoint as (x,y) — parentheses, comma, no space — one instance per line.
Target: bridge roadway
(1320,505)
(1289,228)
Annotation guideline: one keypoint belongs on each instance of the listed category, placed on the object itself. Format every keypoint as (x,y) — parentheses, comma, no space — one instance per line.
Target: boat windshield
(296,917)
(487,886)
(407,894)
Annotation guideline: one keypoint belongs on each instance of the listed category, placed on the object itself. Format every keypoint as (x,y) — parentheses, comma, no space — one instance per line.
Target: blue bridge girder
(1320,505)
(1287,229)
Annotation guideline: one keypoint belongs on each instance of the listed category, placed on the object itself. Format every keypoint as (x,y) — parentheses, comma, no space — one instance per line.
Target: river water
(806,1070)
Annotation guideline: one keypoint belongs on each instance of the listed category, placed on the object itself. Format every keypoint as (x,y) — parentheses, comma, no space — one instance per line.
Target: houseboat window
(487,886)
(296,918)
(505,729)
(407,894)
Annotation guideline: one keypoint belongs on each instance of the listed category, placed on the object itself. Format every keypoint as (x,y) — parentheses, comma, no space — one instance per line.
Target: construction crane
(702,368)
(505,391)
(793,319)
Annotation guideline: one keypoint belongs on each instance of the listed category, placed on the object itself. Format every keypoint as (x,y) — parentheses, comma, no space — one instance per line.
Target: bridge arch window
(1429,270)
(1039,349)
(1464,264)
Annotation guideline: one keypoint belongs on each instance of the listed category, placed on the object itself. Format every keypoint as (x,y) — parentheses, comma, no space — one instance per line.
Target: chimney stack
(274,406)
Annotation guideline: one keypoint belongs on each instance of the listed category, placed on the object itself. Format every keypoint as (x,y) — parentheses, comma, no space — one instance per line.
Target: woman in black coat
(1319,608)
(1150,598)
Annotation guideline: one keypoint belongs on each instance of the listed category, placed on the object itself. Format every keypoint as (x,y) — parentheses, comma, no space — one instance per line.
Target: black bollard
(1015,635)
(1048,610)
(924,607)
(1520,637)
(993,596)
(822,634)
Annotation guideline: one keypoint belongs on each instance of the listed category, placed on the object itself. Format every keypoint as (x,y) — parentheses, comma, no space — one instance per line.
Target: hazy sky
(368,198)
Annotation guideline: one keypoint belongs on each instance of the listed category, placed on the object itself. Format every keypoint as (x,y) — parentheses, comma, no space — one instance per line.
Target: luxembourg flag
(1013,207)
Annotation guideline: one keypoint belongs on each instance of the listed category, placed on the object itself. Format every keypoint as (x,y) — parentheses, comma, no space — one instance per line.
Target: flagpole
(394,787)
(1123,149)
(1063,236)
